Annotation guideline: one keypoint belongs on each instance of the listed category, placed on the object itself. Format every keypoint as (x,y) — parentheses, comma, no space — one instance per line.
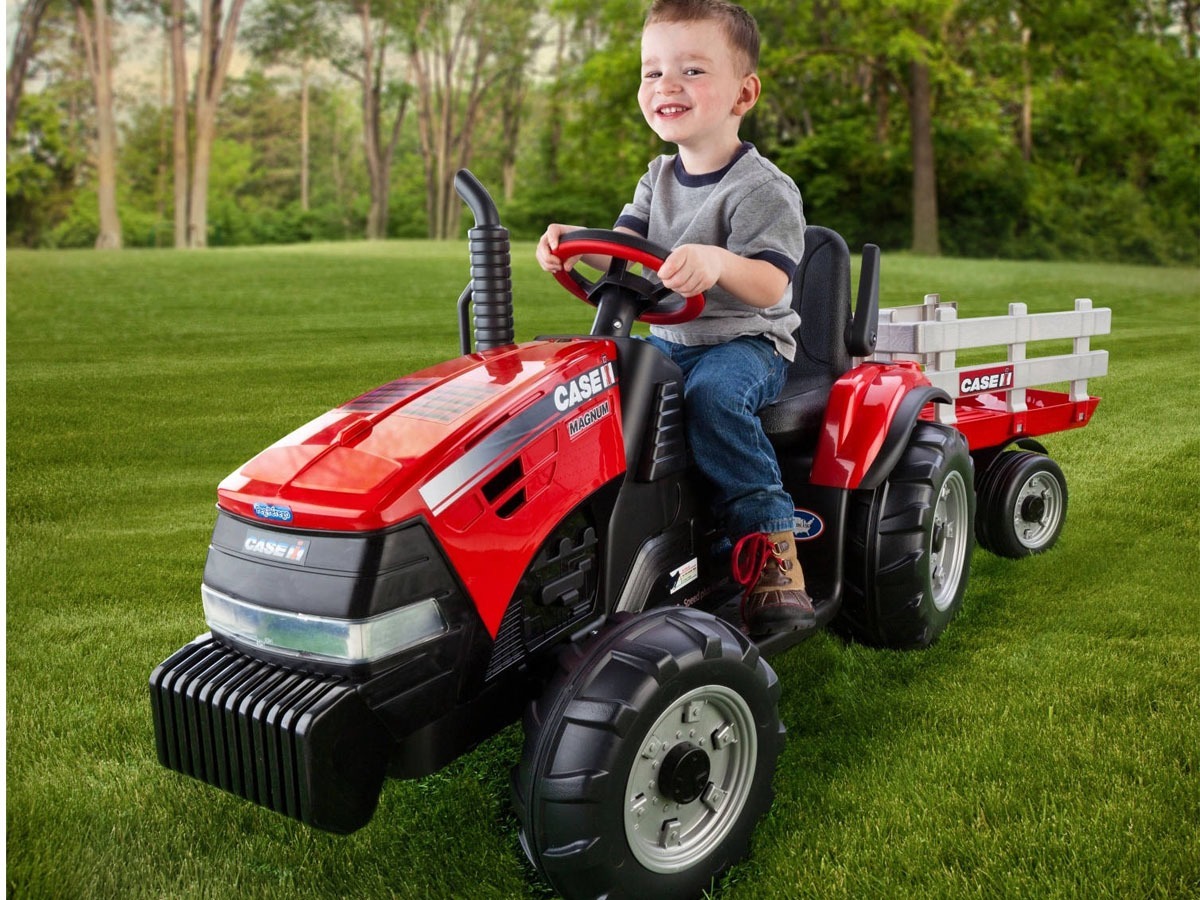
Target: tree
(461,51)
(218,30)
(590,142)
(177,41)
(380,25)
(96,33)
(43,171)
(22,53)
(50,163)
(297,32)
(924,180)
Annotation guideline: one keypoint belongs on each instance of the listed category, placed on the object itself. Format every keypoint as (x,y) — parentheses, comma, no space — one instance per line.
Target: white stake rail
(932,334)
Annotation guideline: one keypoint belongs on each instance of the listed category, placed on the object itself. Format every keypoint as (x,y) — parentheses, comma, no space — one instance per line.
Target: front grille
(301,744)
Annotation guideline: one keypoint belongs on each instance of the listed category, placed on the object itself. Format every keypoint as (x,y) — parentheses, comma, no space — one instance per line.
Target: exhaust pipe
(490,290)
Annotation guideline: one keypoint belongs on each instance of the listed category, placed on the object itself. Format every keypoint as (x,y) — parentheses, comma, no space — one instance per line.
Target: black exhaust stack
(490,290)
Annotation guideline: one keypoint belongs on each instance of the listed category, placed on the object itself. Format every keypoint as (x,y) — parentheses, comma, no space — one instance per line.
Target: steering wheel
(656,304)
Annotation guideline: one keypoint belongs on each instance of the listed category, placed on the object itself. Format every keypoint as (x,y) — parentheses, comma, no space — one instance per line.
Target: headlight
(337,640)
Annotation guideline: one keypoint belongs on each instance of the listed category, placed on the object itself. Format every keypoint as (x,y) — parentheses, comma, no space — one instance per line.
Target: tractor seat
(821,295)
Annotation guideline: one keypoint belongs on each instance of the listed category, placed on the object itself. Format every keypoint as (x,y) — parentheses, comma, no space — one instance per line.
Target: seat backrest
(821,295)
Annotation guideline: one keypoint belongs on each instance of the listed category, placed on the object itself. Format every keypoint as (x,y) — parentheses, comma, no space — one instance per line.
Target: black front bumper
(302,744)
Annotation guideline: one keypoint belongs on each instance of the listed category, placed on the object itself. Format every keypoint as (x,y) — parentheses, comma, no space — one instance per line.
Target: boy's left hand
(692,268)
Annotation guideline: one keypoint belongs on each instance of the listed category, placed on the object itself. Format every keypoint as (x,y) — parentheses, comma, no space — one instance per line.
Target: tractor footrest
(304,745)
(773,644)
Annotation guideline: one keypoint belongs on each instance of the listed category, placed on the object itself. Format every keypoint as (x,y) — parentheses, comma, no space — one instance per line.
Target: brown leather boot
(775,599)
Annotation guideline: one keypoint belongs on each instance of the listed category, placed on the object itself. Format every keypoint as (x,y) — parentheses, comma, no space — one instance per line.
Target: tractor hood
(433,442)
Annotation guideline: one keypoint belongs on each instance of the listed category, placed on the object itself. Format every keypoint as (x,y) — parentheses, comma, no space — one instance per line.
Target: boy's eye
(692,70)
(649,75)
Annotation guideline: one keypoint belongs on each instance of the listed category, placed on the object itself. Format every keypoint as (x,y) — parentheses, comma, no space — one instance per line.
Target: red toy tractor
(520,530)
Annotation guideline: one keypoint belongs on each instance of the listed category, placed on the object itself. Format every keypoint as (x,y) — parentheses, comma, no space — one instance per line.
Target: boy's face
(694,87)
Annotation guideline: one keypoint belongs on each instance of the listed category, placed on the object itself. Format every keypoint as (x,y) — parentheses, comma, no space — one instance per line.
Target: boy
(736,227)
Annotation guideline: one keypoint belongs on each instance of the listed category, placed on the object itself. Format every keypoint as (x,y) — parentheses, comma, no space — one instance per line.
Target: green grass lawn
(1047,746)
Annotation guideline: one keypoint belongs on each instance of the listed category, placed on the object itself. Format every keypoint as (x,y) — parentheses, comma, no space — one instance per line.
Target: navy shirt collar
(689,180)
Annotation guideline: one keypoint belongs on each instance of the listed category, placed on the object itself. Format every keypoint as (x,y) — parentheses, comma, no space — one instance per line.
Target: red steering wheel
(657,305)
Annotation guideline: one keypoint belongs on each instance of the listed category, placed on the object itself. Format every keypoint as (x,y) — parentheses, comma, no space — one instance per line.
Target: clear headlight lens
(336,640)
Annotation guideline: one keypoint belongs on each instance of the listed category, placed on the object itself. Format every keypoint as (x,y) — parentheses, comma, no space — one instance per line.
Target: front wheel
(909,544)
(649,759)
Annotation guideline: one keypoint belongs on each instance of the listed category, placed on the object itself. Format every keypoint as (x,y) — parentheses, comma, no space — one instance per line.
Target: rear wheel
(909,544)
(649,759)
(1022,504)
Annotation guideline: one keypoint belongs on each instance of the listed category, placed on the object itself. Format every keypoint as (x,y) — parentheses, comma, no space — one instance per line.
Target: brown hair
(739,26)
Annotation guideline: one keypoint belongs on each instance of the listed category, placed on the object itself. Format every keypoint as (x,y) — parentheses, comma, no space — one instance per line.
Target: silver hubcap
(691,778)
(948,549)
(1038,510)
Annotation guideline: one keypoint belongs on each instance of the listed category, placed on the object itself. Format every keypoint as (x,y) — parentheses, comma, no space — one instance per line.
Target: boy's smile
(694,91)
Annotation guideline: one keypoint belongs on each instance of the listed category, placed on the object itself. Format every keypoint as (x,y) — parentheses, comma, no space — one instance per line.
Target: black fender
(899,433)
(985,456)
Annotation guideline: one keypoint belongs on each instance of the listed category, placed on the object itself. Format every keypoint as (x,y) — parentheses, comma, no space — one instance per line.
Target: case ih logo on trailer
(980,380)
(392,584)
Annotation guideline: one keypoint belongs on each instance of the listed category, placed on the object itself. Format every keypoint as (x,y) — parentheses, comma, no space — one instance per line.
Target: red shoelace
(750,556)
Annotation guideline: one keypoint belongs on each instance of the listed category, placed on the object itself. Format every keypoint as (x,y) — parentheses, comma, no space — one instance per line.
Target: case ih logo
(584,387)
(292,551)
(986,380)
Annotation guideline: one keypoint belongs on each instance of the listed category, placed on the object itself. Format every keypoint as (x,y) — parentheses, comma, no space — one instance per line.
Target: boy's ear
(748,96)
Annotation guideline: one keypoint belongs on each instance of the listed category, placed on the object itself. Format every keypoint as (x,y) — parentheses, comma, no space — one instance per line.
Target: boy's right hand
(549,242)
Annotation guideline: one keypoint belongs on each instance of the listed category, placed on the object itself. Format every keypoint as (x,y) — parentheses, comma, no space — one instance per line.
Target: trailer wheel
(909,544)
(1022,504)
(649,759)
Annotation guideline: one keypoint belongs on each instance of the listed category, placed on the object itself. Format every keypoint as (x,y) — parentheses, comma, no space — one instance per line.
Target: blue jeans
(725,385)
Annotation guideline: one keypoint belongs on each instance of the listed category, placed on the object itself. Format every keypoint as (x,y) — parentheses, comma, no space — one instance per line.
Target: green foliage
(1112,172)
(1045,748)
(45,166)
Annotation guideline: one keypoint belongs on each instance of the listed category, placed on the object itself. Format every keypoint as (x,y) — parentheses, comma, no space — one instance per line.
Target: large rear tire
(909,544)
(649,759)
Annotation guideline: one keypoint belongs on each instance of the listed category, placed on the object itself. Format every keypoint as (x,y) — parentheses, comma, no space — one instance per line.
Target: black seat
(821,295)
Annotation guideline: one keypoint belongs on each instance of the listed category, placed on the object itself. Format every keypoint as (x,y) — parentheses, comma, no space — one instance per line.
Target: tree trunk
(924,183)
(378,155)
(1189,14)
(335,164)
(179,79)
(164,98)
(371,90)
(22,53)
(304,134)
(98,48)
(1026,98)
(449,70)
(197,226)
(883,112)
(216,52)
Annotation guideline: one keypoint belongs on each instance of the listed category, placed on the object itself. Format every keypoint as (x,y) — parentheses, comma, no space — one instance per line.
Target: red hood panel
(415,444)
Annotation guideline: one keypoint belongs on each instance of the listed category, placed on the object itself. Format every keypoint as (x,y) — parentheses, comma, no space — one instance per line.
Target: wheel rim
(948,543)
(708,736)
(1038,510)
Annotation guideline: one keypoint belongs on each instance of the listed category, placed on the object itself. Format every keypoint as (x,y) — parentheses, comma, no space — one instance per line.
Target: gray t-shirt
(750,208)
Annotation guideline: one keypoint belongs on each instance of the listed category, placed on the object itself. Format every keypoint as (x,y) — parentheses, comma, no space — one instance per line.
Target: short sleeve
(636,215)
(768,224)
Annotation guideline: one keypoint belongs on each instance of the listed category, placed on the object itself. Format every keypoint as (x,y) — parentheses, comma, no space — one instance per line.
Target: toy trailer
(1021,494)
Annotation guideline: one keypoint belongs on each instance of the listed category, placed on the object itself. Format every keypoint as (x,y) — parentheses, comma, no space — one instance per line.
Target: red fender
(871,411)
